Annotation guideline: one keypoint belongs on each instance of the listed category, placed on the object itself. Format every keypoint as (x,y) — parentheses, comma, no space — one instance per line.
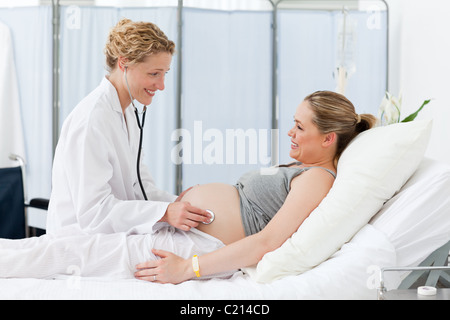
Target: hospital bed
(403,232)
(407,230)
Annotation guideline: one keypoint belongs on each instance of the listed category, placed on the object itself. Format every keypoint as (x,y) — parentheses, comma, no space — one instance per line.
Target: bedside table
(411,294)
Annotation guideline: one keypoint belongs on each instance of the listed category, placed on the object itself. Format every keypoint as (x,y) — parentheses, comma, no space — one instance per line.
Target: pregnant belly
(223,200)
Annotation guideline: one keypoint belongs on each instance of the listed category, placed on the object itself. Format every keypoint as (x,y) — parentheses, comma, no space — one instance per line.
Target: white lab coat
(95,187)
(11,133)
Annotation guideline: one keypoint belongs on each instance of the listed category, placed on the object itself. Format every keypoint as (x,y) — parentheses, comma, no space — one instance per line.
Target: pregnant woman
(254,217)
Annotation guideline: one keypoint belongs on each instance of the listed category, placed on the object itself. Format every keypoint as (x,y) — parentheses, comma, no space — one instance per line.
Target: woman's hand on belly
(184,216)
(223,200)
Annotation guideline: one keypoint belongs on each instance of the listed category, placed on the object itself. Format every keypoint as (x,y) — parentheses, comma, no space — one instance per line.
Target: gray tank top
(262,194)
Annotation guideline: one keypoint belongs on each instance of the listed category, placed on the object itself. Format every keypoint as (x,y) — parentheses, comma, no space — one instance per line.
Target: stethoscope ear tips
(213,216)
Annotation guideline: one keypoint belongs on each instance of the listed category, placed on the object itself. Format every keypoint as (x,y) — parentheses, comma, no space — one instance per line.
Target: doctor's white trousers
(102,255)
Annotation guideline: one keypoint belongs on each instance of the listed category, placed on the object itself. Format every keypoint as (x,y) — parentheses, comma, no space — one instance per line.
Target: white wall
(420,64)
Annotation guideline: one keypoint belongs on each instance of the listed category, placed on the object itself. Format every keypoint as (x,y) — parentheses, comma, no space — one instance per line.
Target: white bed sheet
(410,227)
(417,219)
(346,275)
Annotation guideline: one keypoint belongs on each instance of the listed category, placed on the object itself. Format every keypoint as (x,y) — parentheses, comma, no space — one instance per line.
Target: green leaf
(412,116)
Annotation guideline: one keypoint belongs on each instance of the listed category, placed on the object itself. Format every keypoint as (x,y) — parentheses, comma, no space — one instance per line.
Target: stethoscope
(141,128)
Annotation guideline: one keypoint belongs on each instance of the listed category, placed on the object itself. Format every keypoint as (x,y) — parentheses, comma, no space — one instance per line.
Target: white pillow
(371,170)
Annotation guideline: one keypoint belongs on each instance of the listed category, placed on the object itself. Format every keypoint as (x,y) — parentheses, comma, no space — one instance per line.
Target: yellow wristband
(195,266)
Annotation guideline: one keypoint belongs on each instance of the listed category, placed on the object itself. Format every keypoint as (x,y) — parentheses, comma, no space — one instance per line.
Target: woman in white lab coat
(95,181)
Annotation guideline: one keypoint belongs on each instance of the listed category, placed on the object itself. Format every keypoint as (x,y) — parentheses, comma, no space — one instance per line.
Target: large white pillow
(371,170)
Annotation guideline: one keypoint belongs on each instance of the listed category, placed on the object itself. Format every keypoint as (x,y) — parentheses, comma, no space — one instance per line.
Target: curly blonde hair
(135,41)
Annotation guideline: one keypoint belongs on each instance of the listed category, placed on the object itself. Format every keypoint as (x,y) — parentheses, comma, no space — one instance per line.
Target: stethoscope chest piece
(213,216)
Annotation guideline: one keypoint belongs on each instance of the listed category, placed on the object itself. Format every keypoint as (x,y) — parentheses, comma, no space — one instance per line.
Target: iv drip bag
(346,50)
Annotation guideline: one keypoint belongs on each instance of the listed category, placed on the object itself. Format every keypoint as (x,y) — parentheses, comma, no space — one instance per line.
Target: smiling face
(307,142)
(147,77)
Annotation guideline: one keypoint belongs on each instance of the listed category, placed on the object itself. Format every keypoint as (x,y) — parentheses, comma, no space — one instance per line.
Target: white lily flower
(389,111)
